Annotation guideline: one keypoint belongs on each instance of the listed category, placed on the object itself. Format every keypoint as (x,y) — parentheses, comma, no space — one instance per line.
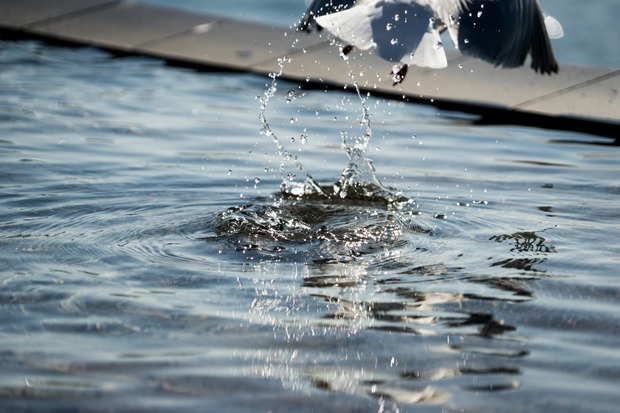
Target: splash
(310,186)
(358,181)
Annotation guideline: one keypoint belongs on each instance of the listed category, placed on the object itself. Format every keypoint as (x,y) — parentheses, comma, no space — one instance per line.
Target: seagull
(407,32)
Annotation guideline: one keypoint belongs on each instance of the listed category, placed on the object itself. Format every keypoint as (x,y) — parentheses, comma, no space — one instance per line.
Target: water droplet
(256,181)
(293,120)
(229,171)
(460,65)
(290,95)
(394,41)
(466,40)
(388,26)
(396,17)
(303,138)
(479,14)
(438,46)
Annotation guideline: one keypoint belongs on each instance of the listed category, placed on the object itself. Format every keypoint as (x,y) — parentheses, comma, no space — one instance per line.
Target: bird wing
(319,8)
(353,25)
(401,30)
(407,33)
(502,33)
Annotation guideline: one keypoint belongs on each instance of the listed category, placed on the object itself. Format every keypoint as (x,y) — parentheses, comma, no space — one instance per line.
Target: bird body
(407,32)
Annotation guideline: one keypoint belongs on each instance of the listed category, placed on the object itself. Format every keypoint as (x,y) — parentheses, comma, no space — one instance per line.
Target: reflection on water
(152,260)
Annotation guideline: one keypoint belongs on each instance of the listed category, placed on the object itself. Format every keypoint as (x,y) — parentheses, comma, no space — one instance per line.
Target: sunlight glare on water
(157,253)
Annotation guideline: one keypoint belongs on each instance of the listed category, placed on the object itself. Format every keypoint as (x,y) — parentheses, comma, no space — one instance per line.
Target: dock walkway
(582,99)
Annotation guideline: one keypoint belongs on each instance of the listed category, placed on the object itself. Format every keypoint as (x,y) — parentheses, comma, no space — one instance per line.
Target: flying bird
(407,32)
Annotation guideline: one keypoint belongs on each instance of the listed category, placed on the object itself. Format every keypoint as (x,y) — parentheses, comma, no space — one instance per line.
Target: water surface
(149,261)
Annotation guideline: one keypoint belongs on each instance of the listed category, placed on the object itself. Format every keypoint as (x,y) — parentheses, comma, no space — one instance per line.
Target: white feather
(554,28)
(401,30)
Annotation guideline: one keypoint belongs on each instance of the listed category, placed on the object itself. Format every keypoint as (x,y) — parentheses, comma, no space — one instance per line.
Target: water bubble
(290,95)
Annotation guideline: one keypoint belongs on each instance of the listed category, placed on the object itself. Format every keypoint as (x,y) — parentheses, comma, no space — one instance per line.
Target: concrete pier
(578,98)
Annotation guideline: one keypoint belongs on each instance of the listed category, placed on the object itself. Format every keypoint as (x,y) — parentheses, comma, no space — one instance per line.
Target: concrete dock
(582,99)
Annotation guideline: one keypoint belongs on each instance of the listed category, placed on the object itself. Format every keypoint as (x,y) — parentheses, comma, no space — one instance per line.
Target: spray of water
(310,185)
(358,181)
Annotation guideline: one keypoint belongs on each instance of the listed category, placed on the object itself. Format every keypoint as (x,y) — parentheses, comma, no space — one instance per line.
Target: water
(149,261)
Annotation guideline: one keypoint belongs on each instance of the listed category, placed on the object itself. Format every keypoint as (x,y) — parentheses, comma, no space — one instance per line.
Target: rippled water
(149,261)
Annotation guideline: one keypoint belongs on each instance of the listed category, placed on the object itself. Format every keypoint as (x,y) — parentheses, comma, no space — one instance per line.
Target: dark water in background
(144,267)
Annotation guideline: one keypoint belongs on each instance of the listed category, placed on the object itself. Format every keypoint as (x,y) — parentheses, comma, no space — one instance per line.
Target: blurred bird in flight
(407,32)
